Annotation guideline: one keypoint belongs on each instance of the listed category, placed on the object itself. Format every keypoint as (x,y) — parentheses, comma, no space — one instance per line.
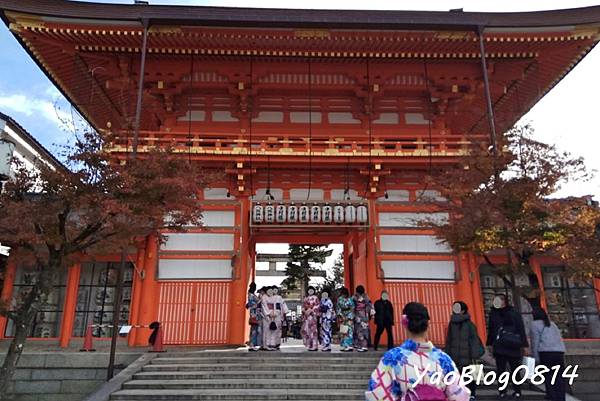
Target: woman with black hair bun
(462,341)
(362,314)
(416,370)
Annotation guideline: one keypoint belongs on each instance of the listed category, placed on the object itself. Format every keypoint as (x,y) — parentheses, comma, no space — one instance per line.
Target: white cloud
(31,107)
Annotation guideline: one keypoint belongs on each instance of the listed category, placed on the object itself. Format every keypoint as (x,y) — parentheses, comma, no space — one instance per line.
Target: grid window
(96,297)
(492,284)
(47,321)
(571,305)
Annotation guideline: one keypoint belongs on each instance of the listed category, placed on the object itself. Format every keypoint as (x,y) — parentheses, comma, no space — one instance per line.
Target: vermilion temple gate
(322,125)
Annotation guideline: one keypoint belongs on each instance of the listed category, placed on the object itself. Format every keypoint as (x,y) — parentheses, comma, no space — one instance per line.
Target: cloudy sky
(567,116)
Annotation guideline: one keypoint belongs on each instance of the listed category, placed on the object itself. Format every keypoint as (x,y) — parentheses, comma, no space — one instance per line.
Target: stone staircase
(239,375)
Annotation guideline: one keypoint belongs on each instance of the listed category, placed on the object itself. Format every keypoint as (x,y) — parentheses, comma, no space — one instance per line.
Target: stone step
(254,366)
(280,360)
(239,394)
(339,384)
(271,354)
(274,395)
(238,374)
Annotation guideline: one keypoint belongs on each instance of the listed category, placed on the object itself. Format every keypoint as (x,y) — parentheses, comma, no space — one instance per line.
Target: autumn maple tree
(52,218)
(504,203)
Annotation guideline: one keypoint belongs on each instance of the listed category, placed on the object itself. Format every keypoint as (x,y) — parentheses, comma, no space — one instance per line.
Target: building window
(47,321)
(571,305)
(96,296)
(492,284)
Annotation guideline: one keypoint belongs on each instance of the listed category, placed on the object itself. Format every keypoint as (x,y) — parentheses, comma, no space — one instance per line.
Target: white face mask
(311,292)
(498,303)
(324,295)
(275,291)
(456,308)
(385,296)
(269,292)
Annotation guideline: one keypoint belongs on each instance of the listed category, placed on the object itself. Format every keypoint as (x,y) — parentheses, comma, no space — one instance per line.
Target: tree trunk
(25,315)
(12,357)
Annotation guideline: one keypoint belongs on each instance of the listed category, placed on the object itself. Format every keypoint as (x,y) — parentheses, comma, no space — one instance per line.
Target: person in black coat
(507,339)
(462,342)
(384,319)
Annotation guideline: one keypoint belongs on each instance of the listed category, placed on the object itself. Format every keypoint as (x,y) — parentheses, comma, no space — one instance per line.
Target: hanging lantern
(257,214)
(292,213)
(362,214)
(269,214)
(280,214)
(338,214)
(327,214)
(315,214)
(304,214)
(350,216)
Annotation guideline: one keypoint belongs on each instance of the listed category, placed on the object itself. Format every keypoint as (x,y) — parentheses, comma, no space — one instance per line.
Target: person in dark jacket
(462,342)
(507,339)
(384,320)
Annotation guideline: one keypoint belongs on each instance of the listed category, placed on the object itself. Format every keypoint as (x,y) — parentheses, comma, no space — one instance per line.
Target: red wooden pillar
(148,310)
(347,263)
(68,317)
(7,290)
(136,293)
(462,289)
(374,284)
(478,313)
(537,269)
(239,285)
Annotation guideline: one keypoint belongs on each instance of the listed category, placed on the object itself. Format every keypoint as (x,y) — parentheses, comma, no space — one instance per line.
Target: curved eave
(303,18)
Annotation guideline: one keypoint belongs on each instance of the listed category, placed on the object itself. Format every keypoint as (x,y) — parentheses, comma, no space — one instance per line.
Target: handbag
(508,338)
(344,329)
(273,326)
(253,321)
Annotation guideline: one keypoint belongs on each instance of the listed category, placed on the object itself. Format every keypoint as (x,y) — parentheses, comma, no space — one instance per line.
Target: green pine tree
(336,278)
(299,266)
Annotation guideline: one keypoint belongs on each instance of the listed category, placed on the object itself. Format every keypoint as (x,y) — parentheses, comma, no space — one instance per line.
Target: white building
(16,142)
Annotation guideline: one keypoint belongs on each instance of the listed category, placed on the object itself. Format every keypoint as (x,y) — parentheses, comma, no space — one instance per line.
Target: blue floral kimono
(327,317)
(345,309)
(400,368)
(255,320)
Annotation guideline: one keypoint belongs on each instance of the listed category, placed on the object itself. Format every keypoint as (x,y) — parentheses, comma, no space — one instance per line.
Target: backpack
(424,392)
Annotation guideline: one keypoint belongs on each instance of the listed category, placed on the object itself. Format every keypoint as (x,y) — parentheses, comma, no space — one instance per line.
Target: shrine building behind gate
(321,126)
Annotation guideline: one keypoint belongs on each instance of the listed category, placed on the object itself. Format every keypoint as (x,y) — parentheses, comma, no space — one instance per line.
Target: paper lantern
(362,214)
(350,216)
(280,214)
(258,214)
(292,213)
(327,214)
(269,213)
(338,214)
(315,214)
(304,213)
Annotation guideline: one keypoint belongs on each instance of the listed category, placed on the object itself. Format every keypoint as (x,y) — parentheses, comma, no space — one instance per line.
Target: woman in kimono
(254,307)
(327,316)
(274,309)
(345,311)
(362,314)
(411,371)
(310,314)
